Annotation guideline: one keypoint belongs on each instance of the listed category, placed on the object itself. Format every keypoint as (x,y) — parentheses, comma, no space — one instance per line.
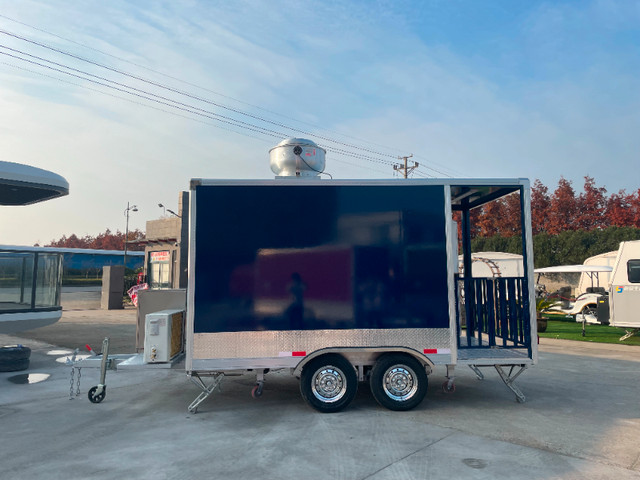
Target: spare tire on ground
(14,358)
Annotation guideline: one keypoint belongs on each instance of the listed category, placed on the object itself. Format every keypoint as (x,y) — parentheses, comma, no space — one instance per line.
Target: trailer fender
(359,356)
(586,299)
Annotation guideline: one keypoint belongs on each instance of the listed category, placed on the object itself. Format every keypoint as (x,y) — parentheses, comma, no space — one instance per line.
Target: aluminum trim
(528,235)
(265,344)
(373,182)
(452,262)
(231,364)
(191,265)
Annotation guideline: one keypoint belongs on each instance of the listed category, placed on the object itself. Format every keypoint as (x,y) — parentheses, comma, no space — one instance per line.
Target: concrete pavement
(581,421)
(78,328)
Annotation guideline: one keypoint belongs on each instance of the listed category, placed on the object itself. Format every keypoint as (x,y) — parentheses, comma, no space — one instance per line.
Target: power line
(191,84)
(419,157)
(186,107)
(134,102)
(435,170)
(165,101)
(176,105)
(141,93)
(186,94)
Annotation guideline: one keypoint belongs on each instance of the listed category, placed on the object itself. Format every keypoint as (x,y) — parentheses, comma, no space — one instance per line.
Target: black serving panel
(301,257)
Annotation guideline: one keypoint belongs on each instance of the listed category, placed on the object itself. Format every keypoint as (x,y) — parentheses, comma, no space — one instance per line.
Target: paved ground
(84,323)
(78,328)
(581,421)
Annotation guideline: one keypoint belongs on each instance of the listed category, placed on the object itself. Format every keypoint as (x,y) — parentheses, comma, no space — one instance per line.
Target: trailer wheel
(328,383)
(398,382)
(256,391)
(93,398)
(446,388)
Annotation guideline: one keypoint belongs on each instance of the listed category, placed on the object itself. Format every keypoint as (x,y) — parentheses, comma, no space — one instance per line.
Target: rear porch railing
(494,312)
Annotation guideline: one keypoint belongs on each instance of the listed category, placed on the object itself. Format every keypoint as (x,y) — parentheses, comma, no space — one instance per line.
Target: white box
(163,335)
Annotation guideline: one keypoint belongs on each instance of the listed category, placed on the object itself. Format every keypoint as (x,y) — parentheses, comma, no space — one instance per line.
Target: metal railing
(495,312)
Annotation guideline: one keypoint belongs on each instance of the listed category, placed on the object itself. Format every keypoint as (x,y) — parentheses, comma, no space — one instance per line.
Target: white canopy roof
(23,184)
(574,269)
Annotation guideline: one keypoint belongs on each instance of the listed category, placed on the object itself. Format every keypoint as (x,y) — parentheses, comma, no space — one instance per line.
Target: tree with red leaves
(635,208)
(540,205)
(563,208)
(592,206)
(489,221)
(619,211)
(103,241)
(512,222)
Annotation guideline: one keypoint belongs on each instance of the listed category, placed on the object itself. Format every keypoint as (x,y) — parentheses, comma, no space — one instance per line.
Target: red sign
(164,256)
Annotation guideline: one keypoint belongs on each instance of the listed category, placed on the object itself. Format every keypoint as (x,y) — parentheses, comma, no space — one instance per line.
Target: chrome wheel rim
(400,383)
(329,384)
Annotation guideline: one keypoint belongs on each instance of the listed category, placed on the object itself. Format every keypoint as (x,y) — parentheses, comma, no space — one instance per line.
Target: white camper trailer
(624,292)
(607,259)
(616,303)
(494,264)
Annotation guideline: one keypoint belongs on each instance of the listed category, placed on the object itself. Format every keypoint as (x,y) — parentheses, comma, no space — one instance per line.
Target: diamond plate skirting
(272,343)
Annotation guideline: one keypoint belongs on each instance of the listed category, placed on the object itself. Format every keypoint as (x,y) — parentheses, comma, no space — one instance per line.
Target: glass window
(48,280)
(160,269)
(16,280)
(633,271)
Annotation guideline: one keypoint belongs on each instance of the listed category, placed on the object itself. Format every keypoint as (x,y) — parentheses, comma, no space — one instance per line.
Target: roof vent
(297,157)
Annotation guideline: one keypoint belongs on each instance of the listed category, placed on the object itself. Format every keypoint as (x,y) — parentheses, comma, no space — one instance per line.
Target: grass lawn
(571,330)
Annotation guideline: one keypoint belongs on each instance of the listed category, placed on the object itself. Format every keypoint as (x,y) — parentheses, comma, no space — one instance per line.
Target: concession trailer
(341,282)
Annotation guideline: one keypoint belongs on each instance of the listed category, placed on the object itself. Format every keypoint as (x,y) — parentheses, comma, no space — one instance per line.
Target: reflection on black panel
(287,257)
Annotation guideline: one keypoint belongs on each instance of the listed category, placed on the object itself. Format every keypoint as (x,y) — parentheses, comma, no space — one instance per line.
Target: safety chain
(73,368)
(71,361)
(79,375)
(71,387)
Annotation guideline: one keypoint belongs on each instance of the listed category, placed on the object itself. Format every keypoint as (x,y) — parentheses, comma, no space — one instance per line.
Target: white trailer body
(495,264)
(603,279)
(344,281)
(624,293)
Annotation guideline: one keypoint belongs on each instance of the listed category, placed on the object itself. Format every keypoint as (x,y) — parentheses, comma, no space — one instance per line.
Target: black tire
(329,383)
(14,365)
(93,398)
(590,310)
(14,358)
(398,381)
(14,352)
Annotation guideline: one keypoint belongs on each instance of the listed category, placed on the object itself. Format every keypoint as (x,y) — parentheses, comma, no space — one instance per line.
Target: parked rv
(603,279)
(624,291)
(616,303)
(494,264)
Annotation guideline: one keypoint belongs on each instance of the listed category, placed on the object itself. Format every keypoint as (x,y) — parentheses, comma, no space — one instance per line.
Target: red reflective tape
(298,354)
(430,350)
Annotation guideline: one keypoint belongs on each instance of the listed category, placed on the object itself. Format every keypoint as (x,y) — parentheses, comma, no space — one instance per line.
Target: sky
(158,92)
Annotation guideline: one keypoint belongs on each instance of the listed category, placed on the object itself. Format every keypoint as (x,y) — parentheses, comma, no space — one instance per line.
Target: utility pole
(130,208)
(404,168)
